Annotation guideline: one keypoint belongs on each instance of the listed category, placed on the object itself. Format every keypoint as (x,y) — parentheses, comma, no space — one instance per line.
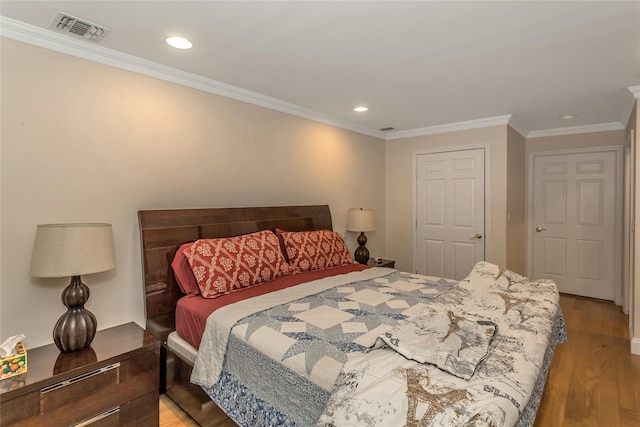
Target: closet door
(574,217)
(450,212)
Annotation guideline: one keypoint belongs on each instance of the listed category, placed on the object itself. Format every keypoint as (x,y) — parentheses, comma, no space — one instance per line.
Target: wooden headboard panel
(163,231)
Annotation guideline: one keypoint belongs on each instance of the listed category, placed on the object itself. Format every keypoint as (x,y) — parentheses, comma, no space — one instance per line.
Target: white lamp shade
(64,250)
(359,219)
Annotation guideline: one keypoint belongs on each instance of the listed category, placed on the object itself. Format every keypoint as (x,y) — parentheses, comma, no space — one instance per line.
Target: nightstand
(113,382)
(389,263)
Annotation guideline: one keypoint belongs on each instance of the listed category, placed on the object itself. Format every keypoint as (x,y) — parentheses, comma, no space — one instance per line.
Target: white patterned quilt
(383,387)
(296,356)
(440,335)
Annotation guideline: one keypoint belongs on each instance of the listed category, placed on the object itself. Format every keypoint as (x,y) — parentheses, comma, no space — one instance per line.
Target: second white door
(450,212)
(574,216)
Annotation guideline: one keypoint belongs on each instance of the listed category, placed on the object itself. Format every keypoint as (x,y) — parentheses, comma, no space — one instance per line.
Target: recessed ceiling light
(567,117)
(179,42)
(361,109)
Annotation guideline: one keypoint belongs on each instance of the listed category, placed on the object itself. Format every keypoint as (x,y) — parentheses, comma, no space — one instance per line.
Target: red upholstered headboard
(163,231)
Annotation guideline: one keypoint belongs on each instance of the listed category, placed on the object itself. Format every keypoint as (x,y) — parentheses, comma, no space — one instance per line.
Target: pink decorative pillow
(183,273)
(221,266)
(315,250)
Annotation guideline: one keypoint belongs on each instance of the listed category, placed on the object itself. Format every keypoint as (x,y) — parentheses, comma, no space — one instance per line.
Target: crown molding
(47,39)
(635,90)
(602,127)
(451,127)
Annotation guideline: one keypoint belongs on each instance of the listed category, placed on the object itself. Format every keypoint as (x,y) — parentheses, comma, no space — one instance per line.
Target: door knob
(539,229)
(477,236)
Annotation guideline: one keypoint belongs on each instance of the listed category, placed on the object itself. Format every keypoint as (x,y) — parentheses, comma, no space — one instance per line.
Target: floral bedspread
(384,387)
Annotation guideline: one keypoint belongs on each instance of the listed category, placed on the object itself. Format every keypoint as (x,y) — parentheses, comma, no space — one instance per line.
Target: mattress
(182,347)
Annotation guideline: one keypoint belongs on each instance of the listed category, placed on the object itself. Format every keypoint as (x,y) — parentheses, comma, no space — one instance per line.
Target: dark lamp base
(361,254)
(76,328)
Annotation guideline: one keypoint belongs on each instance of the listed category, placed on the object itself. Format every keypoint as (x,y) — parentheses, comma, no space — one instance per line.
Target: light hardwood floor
(172,416)
(594,380)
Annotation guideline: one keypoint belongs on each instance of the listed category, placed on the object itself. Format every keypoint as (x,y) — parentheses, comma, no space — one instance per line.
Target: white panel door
(574,208)
(449,212)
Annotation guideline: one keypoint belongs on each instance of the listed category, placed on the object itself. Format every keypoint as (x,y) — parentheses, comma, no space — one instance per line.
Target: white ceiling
(414,64)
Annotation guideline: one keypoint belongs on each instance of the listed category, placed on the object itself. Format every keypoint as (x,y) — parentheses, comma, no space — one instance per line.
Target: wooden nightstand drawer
(135,413)
(75,390)
(106,391)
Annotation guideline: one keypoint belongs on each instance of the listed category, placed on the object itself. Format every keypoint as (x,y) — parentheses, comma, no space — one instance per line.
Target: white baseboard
(635,346)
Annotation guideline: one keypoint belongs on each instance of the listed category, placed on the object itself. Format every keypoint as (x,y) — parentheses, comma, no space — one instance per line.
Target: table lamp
(361,220)
(70,250)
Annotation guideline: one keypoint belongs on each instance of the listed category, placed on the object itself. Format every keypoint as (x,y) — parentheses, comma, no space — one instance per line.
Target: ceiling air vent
(66,23)
(387,129)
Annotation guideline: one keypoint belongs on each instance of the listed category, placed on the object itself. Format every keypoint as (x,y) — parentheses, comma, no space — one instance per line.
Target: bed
(321,346)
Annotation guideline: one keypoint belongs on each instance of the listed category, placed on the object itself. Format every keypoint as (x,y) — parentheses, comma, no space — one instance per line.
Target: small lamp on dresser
(361,220)
(71,250)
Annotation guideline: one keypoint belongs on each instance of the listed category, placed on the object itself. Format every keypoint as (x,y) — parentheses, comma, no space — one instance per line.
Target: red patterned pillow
(183,273)
(315,250)
(221,266)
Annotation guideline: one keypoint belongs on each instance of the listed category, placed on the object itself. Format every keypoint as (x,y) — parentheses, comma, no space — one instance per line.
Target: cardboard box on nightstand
(15,364)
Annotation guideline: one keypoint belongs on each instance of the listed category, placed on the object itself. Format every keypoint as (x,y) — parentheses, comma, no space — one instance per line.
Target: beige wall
(84,142)
(516,201)
(399,187)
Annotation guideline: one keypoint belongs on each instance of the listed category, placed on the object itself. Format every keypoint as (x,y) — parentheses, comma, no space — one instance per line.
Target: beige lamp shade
(359,219)
(66,250)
